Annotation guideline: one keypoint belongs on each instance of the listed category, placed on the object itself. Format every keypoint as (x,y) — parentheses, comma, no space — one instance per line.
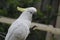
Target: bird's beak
(21,9)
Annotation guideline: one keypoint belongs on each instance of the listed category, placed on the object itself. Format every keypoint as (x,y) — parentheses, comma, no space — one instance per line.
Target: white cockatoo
(19,29)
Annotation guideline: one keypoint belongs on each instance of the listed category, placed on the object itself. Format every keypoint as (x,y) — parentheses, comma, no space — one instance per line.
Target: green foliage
(49,7)
(4,27)
(3,12)
(40,14)
(9,8)
(35,1)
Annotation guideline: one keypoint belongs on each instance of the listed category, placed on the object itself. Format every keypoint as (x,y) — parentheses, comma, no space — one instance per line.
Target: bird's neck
(26,16)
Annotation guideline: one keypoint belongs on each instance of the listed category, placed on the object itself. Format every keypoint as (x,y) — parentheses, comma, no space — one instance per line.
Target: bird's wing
(18,31)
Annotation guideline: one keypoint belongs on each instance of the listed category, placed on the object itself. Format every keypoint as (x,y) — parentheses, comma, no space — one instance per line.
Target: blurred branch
(48,28)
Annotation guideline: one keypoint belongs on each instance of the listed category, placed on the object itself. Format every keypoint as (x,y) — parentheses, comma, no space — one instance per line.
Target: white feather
(19,29)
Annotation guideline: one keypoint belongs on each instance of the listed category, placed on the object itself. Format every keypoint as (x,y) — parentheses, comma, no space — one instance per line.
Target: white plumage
(19,29)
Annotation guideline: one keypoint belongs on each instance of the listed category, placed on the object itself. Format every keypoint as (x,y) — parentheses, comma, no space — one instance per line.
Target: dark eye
(31,12)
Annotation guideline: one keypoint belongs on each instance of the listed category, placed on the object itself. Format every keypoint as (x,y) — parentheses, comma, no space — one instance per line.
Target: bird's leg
(31,29)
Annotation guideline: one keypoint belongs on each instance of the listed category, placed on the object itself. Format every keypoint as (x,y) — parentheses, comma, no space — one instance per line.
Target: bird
(19,29)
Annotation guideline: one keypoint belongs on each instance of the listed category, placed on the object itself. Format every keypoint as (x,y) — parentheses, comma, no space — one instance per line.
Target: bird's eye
(31,12)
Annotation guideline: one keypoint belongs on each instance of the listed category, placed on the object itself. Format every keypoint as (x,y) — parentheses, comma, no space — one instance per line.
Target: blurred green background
(47,13)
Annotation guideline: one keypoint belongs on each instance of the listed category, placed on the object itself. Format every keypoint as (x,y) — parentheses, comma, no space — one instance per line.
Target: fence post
(57,37)
(53,13)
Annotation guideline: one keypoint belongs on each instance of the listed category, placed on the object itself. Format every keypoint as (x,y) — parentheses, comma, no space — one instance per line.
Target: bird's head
(27,12)
(32,10)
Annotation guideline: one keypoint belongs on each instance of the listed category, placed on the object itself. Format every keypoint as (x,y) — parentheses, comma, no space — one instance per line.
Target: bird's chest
(22,29)
(21,32)
(19,29)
